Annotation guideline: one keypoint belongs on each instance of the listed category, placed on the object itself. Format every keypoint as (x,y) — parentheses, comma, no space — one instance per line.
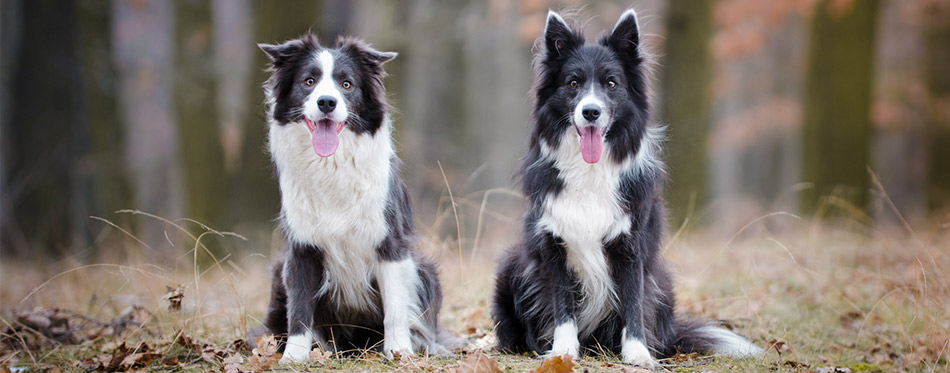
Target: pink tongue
(325,138)
(592,143)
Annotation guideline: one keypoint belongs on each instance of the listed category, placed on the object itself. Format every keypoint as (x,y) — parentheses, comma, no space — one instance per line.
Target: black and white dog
(587,271)
(349,277)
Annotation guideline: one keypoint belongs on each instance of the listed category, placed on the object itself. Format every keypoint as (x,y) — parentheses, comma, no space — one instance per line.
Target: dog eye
(573,84)
(309,81)
(346,84)
(611,84)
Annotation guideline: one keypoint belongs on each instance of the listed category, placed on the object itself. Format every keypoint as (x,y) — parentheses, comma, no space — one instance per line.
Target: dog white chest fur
(585,214)
(336,203)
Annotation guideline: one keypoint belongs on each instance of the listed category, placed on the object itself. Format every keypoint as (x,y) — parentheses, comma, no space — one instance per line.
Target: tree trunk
(937,66)
(686,105)
(45,139)
(257,197)
(202,159)
(110,187)
(836,128)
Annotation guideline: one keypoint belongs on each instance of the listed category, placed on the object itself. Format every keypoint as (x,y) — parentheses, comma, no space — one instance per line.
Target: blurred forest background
(813,107)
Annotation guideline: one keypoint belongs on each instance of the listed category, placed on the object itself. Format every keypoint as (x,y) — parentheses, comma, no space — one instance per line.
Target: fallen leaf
(684,357)
(557,364)
(265,355)
(139,359)
(174,297)
(795,364)
(779,346)
(320,356)
(478,363)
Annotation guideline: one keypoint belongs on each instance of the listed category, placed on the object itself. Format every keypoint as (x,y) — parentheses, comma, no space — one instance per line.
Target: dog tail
(700,336)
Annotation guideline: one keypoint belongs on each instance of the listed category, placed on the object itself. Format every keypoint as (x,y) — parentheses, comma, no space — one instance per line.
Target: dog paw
(400,347)
(294,354)
(298,348)
(563,347)
(634,352)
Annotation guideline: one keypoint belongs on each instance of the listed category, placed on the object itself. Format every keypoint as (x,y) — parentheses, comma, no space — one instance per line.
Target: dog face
(596,89)
(327,90)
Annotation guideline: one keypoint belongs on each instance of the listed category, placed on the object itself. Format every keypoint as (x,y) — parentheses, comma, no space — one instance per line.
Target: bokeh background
(834,109)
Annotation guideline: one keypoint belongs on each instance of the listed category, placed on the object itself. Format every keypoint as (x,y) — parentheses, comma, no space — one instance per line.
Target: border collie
(349,277)
(587,272)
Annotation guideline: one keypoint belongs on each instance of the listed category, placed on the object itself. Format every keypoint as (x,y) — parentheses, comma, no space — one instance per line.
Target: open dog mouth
(325,137)
(592,142)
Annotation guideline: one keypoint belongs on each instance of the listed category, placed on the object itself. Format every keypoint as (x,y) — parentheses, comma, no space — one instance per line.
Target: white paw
(401,345)
(298,348)
(565,341)
(634,352)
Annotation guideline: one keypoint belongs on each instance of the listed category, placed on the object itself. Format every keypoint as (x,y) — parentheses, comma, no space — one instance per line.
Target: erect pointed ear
(380,57)
(559,38)
(625,37)
(364,52)
(281,52)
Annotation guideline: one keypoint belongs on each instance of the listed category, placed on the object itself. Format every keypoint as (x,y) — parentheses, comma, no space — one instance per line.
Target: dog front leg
(398,286)
(303,276)
(628,267)
(564,341)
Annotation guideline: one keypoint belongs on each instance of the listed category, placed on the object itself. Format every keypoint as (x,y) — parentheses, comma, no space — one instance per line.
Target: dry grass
(841,293)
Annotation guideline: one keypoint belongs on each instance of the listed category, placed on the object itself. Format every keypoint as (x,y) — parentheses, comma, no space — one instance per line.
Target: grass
(841,293)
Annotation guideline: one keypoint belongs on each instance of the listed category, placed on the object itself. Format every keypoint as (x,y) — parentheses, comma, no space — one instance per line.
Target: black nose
(326,103)
(591,112)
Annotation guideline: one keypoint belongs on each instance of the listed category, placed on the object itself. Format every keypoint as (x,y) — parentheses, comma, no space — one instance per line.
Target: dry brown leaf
(557,364)
(265,355)
(138,360)
(174,297)
(684,357)
(478,363)
(779,346)
(320,356)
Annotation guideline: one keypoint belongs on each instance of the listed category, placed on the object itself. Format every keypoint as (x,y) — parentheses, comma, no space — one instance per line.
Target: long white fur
(587,212)
(398,282)
(729,343)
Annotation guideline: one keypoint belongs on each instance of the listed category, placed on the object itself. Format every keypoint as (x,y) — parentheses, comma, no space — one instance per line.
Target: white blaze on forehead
(590,99)
(326,86)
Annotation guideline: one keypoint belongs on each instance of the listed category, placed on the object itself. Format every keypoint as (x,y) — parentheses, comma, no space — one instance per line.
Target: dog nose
(591,112)
(326,103)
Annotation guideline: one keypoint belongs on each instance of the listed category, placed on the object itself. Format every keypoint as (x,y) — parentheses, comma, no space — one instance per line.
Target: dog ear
(625,37)
(364,52)
(380,57)
(278,53)
(559,38)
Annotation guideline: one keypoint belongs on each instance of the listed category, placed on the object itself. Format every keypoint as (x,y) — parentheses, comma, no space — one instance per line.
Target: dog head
(328,90)
(597,90)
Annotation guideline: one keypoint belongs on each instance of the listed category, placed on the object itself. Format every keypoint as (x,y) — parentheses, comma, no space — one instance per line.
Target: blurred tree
(202,160)
(937,66)
(110,188)
(836,119)
(256,195)
(686,104)
(47,137)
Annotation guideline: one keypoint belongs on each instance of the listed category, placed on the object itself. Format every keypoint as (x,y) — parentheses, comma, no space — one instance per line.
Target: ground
(827,296)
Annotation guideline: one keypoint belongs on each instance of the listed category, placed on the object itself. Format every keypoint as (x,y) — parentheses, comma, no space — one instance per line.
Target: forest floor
(822,297)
